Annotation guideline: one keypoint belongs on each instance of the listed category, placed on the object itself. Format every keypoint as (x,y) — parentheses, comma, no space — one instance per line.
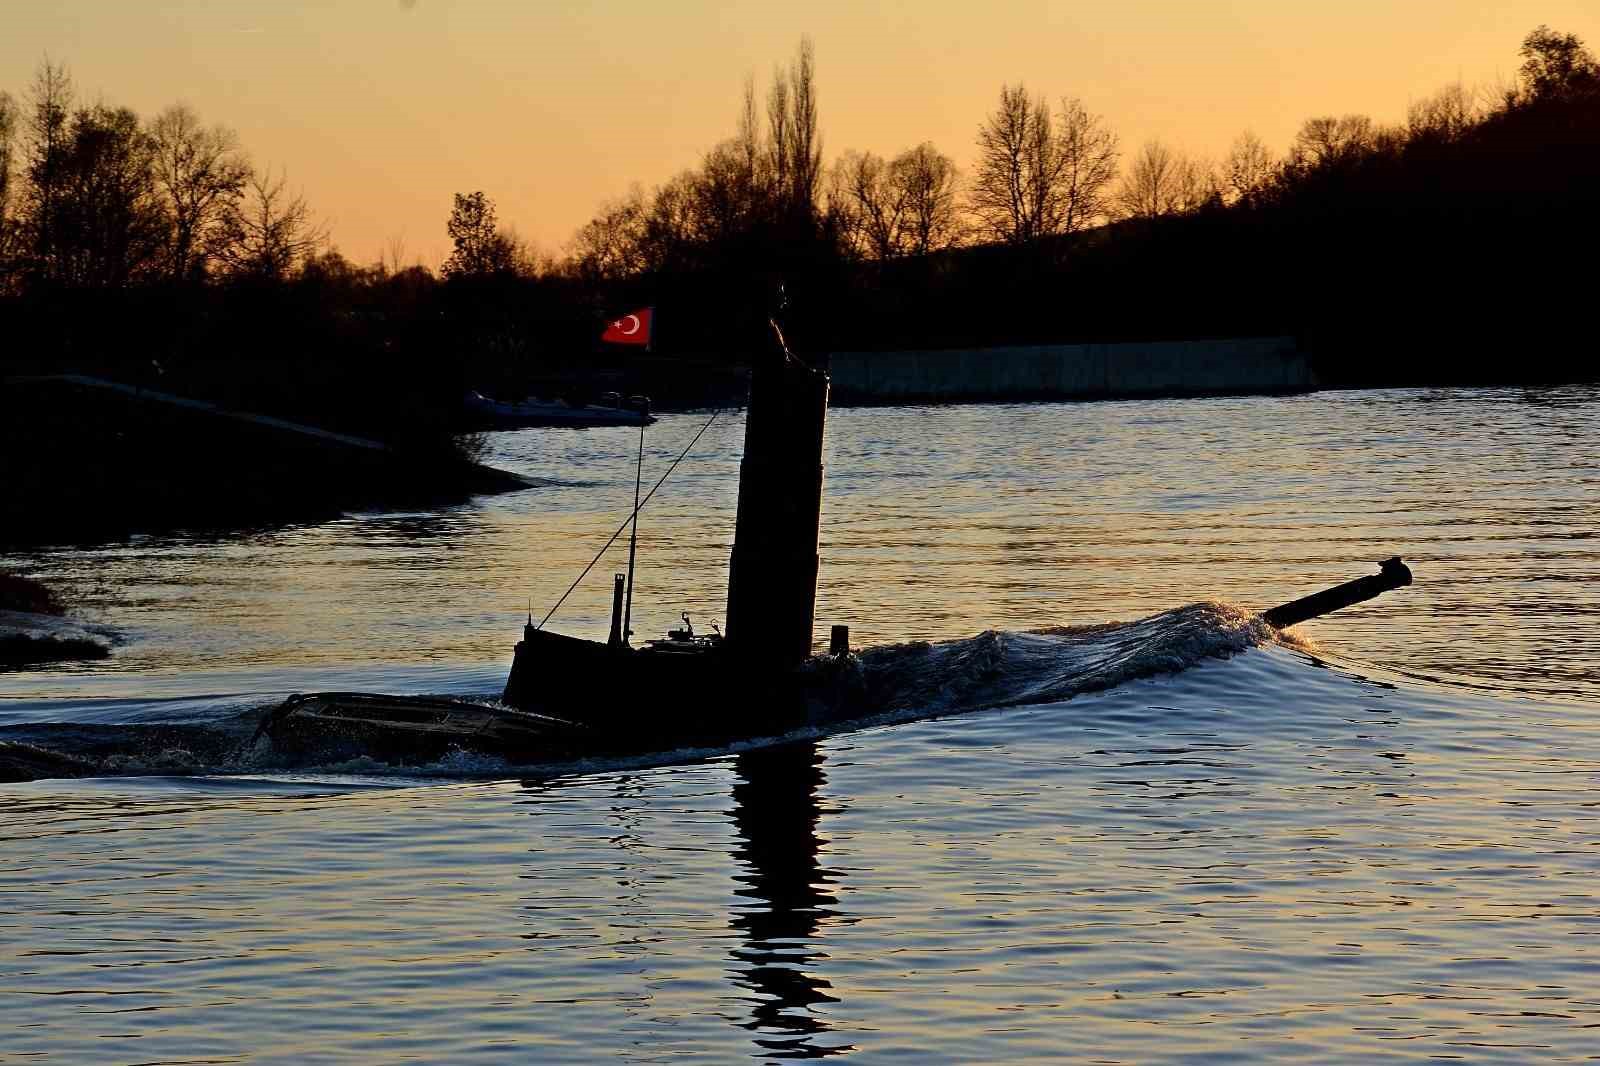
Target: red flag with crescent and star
(631,328)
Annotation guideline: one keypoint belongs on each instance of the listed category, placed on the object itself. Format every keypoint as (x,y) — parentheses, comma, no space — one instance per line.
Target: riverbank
(34,628)
(90,460)
(1226,366)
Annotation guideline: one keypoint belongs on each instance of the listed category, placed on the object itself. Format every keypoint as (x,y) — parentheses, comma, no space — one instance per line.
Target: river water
(1176,837)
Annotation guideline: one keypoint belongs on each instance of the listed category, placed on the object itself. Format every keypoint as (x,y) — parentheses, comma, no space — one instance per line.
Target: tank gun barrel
(1392,574)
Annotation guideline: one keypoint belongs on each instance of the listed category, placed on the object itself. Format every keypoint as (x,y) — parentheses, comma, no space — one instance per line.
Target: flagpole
(616,334)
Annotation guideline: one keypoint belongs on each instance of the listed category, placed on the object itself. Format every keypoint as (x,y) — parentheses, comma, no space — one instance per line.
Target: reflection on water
(1252,860)
(789,897)
(1260,857)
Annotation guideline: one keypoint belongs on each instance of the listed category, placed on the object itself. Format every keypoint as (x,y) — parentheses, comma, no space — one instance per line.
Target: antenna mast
(633,537)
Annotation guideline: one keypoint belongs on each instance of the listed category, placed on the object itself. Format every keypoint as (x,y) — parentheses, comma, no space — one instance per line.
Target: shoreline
(35,629)
(101,461)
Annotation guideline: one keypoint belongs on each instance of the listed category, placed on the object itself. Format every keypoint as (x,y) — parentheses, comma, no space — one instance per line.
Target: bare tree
(868,206)
(748,136)
(86,214)
(105,221)
(611,245)
(8,135)
(49,111)
(903,207)
(744,186)
(1014,188)
(669,230)
(393,258)
(201,175)
(725,199)
(1164,182)
(527,261)
(805,155)
(794,146)
(1036,177)
(1444,116)
(1248,168)
(270,232)
(926,182)
(1328,141)
(780,132)
(1088,154)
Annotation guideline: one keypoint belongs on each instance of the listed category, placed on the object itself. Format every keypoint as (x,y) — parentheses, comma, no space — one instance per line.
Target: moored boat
(484,411)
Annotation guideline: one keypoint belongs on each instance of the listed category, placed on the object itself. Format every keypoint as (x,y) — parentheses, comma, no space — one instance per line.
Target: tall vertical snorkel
(772,573)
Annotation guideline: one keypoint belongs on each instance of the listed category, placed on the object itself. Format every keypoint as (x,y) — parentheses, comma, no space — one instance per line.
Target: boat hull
(408,730)
(663,695)
(494,414)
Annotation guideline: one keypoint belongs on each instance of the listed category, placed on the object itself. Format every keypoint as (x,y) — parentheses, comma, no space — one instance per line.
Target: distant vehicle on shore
(608,410)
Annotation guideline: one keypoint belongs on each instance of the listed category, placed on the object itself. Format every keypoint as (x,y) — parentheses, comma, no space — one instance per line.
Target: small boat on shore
(487,412)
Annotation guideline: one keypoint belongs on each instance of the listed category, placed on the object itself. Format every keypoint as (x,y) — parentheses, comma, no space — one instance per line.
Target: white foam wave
(1001,669)
(878,686)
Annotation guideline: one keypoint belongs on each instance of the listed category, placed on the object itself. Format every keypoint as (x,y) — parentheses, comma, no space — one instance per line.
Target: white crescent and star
(626,331)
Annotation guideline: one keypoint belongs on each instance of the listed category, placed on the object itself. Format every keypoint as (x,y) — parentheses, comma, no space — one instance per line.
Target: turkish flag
(632,328)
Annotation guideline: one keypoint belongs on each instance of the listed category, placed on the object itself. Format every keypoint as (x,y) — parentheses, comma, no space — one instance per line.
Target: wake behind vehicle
(756,677)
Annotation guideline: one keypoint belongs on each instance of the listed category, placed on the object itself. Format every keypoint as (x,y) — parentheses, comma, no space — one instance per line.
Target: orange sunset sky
(379,110)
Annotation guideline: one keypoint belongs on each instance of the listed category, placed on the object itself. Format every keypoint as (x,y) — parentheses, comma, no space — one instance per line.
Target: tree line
(1429,249)
(93,196)
(1040,172)
(1054,235)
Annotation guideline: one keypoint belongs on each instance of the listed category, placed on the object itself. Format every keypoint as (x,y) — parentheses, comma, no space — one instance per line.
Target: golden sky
(379,110)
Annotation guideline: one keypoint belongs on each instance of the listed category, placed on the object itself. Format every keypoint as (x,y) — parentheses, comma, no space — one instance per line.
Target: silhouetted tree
(1556,65)
(865,204)
(1014,189)
(333,274)
(201,175)
(611,246)
(670,229)
(8,140)
(1329,141)
(726,197)
(780,130)
(270,233)
(1035,178)
(932,218)
(749,207)
(480,249)
(1088,166)
(1163,182)
(805,145)
(105,221)
(1248,168)
(49,111)
(905,207)
(526,260)
(1444,116)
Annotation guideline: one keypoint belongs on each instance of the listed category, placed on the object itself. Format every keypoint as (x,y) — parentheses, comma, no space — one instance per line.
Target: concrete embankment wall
(1154,368)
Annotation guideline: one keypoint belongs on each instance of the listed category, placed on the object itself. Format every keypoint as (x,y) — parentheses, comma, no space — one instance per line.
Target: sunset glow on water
(1374,839)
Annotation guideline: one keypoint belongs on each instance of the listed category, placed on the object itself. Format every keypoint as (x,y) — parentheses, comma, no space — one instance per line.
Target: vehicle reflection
(788,898)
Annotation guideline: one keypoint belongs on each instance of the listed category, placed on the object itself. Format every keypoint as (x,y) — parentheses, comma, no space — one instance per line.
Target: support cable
(640,506)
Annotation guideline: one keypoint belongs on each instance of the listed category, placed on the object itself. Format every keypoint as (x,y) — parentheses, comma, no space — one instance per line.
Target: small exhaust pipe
(618,637)
(1392,574)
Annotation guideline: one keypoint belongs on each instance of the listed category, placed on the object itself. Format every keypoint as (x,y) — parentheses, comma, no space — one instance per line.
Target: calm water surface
(1377,840)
